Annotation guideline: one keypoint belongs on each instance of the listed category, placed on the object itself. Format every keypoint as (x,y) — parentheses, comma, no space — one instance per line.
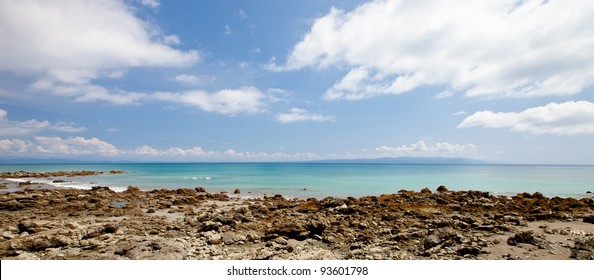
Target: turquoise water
(333,179)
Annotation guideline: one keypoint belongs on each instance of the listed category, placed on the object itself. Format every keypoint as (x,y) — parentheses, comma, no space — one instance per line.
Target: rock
(426,190)
(8,235)
(526,237)
(309,207)
(442,189)
(583,249)
(210,226)
(72,225)
(281,240)
(431,241)
(439,236)
(110,229)
(474,251)
(105,189)
(489,228)
(200,189)
(538,195)
(589,219)
(12,205)
(237,191)
(26,256)
(213,238)
(152,249)
(230,238)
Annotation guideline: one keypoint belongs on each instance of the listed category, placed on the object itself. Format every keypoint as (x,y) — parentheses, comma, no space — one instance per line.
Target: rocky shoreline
(194,224)
(31,174)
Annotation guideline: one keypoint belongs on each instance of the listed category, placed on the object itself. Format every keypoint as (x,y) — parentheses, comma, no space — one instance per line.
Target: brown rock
(589,219)
(200,189)
(426,190)
(583,249)
(309,207)
(538,195)
(523,237)
(442,189)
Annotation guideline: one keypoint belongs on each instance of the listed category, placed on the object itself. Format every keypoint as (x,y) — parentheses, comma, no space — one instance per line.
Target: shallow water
(332,179)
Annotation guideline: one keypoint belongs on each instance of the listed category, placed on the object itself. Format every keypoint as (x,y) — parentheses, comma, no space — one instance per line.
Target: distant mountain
(406,160)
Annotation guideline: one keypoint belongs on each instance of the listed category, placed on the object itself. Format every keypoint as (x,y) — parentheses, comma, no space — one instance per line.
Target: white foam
(83,186)
(195,178)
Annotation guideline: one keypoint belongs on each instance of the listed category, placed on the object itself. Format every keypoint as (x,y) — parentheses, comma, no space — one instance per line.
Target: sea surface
(330,179)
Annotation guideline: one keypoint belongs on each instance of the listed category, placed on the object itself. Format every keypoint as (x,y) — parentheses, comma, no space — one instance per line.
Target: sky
(266,80)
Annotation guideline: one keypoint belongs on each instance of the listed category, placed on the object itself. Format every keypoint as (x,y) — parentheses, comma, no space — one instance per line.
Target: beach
(38,222)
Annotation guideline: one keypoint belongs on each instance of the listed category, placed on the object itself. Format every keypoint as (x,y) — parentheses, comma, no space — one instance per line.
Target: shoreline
(100,223)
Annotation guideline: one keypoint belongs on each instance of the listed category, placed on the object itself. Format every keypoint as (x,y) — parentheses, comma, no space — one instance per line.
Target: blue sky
(148,80)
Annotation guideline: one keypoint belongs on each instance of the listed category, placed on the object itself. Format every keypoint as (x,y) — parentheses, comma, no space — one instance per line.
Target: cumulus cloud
(569,118)
(229,101)
(263,156)
(14,146)
(93,93)
(171,152)
(481,48)
(301,115)
(30,127)
(229,154)
(54,146)
(58,146)
(74,146)
(70,43)
(441,149)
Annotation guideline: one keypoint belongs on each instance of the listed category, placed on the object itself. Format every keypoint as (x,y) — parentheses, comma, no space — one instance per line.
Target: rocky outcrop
(29,174)
(194,224)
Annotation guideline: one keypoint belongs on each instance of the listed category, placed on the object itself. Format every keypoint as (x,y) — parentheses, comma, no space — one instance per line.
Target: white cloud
(441,149)
(30,127)
(567,118)
(67,127)
(300,115)
(146,151)
(150,3)
(482,48)
(70,43)
(74,146)
(14,146)
(79,146)
(228,155)
(187,79)
(94,93)
(171,40)
(171,152)
(228,30)
(263,156)
(242,14)
(228,101)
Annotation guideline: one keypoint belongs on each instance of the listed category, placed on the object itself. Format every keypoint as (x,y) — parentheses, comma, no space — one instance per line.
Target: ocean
(319,180)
